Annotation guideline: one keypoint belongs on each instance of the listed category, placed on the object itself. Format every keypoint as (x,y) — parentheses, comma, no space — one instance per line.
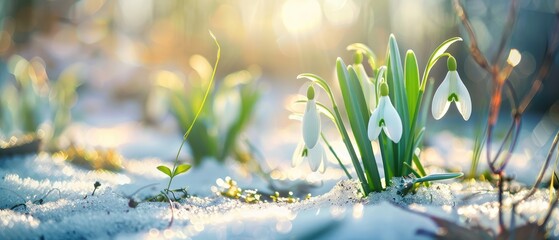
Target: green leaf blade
(358,116)
(166,170)
(411,73)
(438,177)
(181,169)
(396,82)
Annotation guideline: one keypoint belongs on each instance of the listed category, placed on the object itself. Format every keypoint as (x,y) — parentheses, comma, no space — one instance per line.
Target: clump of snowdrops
(388,107)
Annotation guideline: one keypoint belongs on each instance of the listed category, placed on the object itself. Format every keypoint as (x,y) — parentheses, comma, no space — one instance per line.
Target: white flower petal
(373,128)
(392,121)
(464,103)
(315,156)
(322,167)
(298,155)
(440,103)
(311,124)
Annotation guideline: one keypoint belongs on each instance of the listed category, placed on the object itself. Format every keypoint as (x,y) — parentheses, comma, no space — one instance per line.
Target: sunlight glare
(301,17)
(341,13)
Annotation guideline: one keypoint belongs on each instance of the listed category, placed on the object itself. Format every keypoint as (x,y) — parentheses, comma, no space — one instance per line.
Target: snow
(338,213)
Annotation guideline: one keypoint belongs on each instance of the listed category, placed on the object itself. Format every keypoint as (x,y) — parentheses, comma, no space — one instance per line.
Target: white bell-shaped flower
(385,118)
(311,120)
(316,157)
(451,90)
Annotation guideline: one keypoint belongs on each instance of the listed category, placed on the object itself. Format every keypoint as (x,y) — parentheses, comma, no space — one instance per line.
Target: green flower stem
(335,155)
(439,51)
(199,110)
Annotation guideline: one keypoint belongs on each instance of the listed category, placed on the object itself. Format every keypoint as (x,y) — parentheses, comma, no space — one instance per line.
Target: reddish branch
(499,76)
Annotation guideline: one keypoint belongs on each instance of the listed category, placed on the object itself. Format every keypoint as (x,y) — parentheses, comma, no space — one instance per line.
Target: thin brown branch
(506,159)
(478,56)
(511,18)
(543,170)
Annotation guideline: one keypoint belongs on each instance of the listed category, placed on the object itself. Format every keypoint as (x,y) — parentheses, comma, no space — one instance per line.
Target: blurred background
(117,49)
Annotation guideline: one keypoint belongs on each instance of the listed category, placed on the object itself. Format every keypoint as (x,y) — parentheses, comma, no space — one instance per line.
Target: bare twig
(544,168)
(511,18)
(478,56)
(499,78)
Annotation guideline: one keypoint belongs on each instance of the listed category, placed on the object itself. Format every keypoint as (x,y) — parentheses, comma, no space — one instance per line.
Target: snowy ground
(338,213)
(335,210)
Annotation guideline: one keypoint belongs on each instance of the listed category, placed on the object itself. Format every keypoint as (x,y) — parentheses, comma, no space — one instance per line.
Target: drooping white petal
(464,103)
(315,157)
(373,128)
(322,167)
(311,124)
(440,103)
(298,157)
(392,121)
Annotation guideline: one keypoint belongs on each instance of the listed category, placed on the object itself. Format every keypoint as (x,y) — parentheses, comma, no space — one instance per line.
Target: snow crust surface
(46,198)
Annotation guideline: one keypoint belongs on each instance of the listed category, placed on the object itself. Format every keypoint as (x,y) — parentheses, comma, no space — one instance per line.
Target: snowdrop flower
(310,148)
(311,120)
(315,156)
(385,117)
(451,90)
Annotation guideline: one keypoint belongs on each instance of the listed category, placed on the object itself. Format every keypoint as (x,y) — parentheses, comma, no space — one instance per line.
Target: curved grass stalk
(185,137)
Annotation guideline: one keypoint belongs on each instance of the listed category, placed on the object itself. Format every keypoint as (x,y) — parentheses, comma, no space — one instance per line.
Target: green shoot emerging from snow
(388,108)
(182,168)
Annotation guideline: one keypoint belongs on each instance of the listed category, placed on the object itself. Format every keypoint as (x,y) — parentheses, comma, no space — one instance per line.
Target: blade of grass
(411,73)
(398,92)
(357,113)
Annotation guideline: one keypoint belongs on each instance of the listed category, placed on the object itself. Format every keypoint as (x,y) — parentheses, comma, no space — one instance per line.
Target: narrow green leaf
(398,94)
(182,168)
(165,169)
(440,50)
(411,72)
(439,176)
(358,116)
(418,138)
(249,98)
(419,167)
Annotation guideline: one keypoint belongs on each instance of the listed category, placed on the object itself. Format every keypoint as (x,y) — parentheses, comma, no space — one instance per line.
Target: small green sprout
(183,168)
